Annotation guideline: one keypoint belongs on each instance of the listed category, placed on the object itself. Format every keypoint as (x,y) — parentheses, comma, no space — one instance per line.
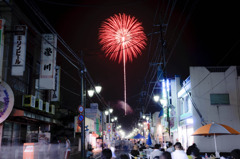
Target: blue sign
(80,118)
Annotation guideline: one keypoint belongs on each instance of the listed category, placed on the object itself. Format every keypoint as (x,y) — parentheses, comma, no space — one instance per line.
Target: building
(214,92)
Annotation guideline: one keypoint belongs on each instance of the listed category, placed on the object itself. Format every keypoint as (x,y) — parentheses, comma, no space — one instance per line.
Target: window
(219,99)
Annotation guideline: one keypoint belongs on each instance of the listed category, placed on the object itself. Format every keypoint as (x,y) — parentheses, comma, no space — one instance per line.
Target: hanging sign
(55,94)
(80,109)
(1,46)
(6,101)
(48,62)
(19,50)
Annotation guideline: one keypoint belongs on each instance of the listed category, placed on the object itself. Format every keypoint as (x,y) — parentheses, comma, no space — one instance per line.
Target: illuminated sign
(6,101)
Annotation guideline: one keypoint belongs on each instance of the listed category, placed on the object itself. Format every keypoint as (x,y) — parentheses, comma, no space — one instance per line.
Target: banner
(19,50)
(2,21)
(48,62)
(55,94)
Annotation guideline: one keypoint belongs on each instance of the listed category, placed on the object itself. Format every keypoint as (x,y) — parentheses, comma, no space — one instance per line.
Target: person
(135,151)
(124,156)
(67,148)
(113,150)
(106,154)
(143,146)
(235,154)
(195,153)
(179,153)
(166,155)
(156,151)
(170,147)
(89,153)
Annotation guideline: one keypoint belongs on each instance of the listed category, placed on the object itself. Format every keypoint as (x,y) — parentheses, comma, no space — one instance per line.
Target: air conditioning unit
(46,107)
(39,104)
(28,101)
(52,109)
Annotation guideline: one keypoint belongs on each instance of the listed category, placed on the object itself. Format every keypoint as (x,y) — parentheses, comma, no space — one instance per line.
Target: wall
(203,84)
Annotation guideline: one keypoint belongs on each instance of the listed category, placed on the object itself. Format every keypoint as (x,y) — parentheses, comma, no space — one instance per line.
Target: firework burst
(122,33)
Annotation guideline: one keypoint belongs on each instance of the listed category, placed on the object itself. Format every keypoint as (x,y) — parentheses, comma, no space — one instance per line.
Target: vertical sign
(48,62)
(1,46)
(55,94)
(19,50)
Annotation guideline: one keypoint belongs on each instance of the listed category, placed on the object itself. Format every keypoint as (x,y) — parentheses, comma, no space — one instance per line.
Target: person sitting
(106,154)
(170,147)
(179,153)
(135,151)
(124,156)
(166,155)
(156,152)
(235,154)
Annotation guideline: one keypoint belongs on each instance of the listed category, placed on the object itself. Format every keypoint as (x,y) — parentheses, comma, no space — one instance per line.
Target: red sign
(28,151)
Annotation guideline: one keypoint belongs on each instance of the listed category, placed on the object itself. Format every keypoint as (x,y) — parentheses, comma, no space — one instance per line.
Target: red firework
(122,34)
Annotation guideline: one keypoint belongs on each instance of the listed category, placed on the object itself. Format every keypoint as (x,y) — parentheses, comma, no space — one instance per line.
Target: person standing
(170,147)
(179,153)
(67,149)
(156,152)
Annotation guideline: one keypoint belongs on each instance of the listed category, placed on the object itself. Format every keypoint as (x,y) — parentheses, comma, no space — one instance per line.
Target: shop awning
(32,116)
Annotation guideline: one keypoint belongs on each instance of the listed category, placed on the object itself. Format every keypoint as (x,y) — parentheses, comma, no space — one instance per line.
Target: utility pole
(83,103)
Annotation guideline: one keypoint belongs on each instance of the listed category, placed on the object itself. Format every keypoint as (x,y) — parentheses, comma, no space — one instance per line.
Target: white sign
(6,101)
(2,21)
(48,62)
(55,94)
(19,50)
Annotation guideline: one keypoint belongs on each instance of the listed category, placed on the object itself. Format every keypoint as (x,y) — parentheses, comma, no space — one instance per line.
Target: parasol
(215,129)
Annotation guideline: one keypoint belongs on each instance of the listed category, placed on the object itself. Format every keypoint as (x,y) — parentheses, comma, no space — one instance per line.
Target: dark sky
(210,38)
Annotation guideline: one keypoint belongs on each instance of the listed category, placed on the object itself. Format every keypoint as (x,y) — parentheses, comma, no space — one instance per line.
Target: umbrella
(139,136)
(215,129)
(149,141)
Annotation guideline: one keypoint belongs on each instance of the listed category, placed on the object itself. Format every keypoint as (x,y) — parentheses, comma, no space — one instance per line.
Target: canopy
(139,136)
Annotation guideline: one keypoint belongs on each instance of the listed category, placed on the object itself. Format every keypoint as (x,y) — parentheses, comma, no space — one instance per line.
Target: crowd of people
(175,151)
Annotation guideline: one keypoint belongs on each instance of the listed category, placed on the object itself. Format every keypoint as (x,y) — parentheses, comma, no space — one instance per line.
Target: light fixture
(98,89)
(115,118)
(110,110)
(156,98)
(106,112)
(144,116)
(90,93)
(112,120)
(147,118)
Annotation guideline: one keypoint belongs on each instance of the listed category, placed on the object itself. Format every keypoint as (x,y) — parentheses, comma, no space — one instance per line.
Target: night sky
(210,38)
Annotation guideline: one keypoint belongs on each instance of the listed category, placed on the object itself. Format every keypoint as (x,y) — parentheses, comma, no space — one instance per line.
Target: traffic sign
(80,109)
(80,118)
(109,126)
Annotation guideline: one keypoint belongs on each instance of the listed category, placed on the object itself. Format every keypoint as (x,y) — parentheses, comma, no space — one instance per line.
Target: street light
(98,89)
(106,112)
(90,92)
(144,116)
(110,110)
(115,118)
(156,98)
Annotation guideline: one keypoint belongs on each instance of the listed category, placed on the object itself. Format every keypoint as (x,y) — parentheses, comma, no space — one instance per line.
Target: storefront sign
(1,45)
(19,50)
(6,101)
(55,94)
(48,62)
(28,151)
